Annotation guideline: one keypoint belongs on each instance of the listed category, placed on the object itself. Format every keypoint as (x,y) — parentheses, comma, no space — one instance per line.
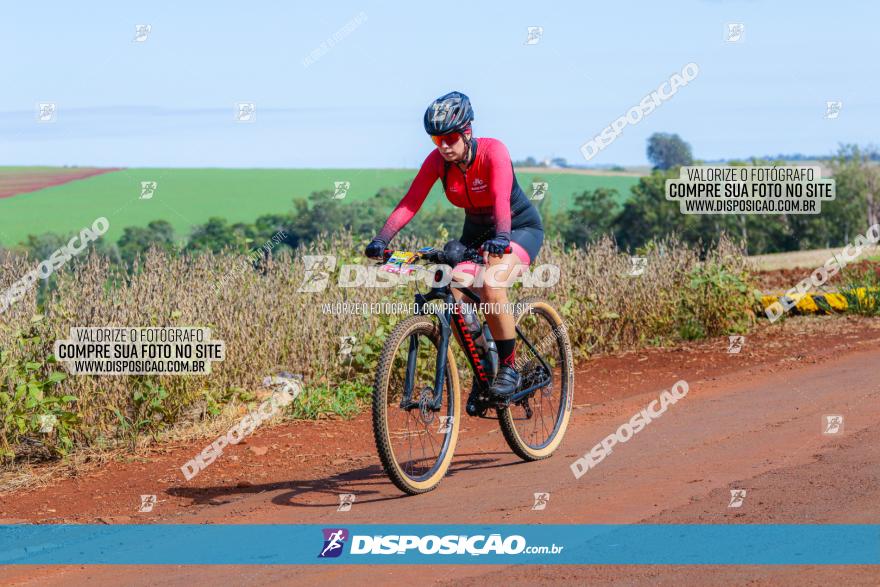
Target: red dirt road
(30,180)
(751,421)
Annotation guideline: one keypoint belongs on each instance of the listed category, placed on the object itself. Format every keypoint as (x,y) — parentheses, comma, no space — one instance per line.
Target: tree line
(646,214)
(633,221)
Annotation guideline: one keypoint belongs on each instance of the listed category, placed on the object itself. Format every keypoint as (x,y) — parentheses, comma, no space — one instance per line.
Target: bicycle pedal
(477,407)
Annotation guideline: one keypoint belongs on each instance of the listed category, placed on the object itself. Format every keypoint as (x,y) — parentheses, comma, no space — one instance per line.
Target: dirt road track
(749,422)
(25,180)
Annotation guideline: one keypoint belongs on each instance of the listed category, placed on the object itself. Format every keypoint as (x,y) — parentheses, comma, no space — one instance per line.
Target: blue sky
(169,100)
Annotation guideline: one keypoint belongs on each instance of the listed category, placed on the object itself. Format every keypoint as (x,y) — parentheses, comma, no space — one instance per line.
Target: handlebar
(439,256)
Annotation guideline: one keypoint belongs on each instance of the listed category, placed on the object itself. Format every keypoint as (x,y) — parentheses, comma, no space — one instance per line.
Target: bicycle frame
(447,323)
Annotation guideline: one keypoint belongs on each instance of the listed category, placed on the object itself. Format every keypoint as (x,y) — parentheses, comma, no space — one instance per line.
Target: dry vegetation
(266,323)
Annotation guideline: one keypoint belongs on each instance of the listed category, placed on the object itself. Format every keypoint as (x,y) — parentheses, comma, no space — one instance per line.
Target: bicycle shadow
(370,484)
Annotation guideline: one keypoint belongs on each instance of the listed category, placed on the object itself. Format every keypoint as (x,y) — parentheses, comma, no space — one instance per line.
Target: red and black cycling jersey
(488,191)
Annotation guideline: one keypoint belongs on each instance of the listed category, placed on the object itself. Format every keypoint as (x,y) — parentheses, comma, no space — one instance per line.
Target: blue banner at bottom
(641,544)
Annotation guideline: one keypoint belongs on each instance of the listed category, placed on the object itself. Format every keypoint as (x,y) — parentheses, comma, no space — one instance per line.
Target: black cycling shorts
(526,230)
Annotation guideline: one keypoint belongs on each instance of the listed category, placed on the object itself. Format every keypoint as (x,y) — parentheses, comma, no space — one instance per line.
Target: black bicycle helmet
(449,113)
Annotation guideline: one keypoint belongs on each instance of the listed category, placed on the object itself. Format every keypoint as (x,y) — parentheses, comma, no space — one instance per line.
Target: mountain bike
(417,391)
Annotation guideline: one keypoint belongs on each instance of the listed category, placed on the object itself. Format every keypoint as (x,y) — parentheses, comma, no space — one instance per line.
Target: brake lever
(475,256)
(386,254)
(507,250)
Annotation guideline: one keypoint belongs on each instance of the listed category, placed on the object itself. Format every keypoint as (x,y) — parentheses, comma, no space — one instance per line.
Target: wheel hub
(426,401)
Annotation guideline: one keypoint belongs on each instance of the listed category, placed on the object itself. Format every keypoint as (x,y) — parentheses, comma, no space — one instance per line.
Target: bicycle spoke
(544,348)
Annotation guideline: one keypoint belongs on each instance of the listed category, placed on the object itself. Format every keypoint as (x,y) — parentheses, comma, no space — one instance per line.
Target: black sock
(505,351)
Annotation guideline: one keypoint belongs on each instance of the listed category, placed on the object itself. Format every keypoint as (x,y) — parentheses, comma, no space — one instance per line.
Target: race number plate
(400,262)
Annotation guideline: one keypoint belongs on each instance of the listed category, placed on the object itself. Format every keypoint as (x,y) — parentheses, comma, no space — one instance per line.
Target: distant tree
(215,235)
(373,212)
(527,162)
(593,215)
(137,239)
(839,221)
(647,214)
(268,225)
(320,213)
(427,222)
(244,233)
(42,246)
(666,151)
(559,162)
(855,174)
(163,231)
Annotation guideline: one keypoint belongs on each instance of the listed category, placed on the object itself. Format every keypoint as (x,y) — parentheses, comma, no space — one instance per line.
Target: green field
(186,197)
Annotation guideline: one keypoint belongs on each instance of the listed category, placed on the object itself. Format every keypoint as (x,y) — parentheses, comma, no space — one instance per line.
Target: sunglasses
(449,139)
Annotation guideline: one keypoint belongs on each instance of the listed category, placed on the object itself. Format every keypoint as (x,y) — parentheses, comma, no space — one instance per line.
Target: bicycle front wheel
(415,442)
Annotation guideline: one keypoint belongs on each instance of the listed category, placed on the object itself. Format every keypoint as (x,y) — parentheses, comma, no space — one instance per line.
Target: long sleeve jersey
(485,191)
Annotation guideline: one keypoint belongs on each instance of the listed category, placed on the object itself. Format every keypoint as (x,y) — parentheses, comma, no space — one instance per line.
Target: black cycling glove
(497,245)
(376,249)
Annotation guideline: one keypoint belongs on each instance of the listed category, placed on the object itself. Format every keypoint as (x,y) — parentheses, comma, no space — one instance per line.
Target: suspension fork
(440,373)
(409,378)
(449,319)
(412,356)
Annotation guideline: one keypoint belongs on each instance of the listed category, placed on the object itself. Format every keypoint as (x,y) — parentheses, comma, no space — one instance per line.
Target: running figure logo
(346,346)
(638,265)
(245,112)
(832,109)
(147,503)
(141,32)
(534,35)
(341,189)
(541,500)
(539,190)
(47,112)
(285,385)
(833,424)
(441,110)
(737,497)
(735,31)
(334,540)
(148,189)
(445,424)
(317,274)
(47,423)
(346,500)
(735,343)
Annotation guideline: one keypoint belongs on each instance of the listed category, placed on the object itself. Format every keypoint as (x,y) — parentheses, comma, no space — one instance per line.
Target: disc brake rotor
(426,400)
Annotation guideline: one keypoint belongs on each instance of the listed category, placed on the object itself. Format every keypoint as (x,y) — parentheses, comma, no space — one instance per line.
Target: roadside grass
(805,259)
(861,288)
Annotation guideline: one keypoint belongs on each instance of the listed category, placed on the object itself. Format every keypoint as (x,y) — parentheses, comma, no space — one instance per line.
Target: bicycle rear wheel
(534,426)
(415,443)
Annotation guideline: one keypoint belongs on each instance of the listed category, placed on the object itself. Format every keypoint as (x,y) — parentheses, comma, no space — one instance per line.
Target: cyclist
(477,175)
